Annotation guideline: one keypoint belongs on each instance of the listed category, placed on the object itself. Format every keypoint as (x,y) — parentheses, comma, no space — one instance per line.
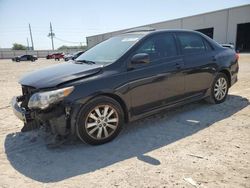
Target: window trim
(143,41)
(194,34)
(209,44)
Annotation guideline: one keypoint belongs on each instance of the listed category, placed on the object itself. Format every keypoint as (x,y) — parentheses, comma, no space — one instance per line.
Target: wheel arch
(227,73)
(113,96)
(120,101)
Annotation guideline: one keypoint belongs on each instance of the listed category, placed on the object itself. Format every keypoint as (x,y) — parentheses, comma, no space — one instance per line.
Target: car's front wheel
(219,89)
(100,121)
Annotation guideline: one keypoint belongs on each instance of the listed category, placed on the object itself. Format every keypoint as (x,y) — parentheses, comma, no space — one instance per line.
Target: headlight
(43,100)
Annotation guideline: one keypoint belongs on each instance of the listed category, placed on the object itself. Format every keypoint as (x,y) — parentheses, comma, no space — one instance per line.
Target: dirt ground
(197,145)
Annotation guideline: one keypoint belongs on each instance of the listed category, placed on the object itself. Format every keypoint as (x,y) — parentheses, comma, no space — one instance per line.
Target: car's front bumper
(55,117)
(18,110)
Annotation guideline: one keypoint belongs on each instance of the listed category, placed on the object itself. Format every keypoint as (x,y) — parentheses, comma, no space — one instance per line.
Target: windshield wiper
(84,61)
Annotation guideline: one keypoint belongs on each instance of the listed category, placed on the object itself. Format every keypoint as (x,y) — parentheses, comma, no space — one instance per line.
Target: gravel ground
(197,145)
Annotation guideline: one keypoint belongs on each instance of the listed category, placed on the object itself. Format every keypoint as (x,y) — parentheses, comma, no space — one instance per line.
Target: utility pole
(51,35)
(28,46)
(31,38)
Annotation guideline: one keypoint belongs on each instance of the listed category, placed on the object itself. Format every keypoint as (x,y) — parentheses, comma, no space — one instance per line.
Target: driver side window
(24,57)
(159,47)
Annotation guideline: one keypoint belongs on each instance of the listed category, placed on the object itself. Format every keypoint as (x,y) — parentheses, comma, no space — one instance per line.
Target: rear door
(161,81)
(199,62)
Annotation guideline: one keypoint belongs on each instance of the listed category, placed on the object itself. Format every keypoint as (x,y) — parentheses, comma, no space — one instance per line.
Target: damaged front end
(43,108)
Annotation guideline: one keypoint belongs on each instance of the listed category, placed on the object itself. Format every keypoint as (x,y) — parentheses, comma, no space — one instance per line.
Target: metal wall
(224,23)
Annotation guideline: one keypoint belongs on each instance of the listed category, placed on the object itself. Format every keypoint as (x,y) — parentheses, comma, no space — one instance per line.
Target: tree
(72,47)
(17,46)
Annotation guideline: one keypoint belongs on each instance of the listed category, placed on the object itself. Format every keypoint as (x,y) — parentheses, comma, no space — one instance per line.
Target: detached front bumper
(18,110)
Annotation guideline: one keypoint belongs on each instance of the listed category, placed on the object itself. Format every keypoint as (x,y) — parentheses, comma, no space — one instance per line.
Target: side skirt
(187,100)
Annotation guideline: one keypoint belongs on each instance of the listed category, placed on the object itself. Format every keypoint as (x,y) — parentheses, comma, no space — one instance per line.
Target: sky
(73,20)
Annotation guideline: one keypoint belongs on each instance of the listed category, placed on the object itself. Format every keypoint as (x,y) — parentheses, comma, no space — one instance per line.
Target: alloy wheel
(220,89)
(101,122)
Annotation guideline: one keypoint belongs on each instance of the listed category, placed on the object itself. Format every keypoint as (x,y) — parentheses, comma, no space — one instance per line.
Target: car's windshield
(110,50)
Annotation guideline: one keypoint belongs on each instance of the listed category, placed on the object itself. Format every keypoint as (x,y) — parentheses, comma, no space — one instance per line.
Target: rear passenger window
(159,47)
(208,46)
(191,43)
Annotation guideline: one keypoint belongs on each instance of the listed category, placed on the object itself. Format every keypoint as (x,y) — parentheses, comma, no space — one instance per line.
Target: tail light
(237,56)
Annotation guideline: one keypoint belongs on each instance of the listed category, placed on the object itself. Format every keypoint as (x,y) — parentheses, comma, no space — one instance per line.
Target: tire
(215,96)
(96,129)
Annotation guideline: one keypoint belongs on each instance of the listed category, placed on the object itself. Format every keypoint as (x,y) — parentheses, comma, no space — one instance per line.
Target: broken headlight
(43,100)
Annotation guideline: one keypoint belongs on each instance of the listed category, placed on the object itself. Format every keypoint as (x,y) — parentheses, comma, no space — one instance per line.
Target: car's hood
(58,74)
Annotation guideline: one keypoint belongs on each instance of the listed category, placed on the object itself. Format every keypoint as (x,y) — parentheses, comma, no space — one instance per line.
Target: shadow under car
(39,163)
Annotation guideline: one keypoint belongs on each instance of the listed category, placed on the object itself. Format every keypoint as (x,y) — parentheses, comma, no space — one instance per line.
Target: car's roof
(145,32)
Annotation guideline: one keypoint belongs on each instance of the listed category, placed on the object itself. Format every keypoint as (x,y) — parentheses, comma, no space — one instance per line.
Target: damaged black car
(125,78)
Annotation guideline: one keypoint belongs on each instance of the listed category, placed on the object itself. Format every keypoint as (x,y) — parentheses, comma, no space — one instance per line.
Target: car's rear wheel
(219,89)
(100,121)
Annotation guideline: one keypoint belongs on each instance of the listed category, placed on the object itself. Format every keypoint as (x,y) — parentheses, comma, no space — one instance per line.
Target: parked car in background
(125,78)
(56,56)
(49,56)
(73,56)
(25,58)
(67,57)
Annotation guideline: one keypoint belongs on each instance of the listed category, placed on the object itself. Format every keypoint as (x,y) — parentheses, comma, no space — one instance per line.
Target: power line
(67,41)
(40,30)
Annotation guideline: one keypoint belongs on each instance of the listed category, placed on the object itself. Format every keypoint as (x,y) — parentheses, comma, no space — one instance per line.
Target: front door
(159,82)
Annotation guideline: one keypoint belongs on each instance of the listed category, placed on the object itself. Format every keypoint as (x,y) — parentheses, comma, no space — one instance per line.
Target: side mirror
(141,58)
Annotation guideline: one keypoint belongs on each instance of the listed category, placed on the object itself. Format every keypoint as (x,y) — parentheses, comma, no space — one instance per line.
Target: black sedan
(123,79)
(25,58)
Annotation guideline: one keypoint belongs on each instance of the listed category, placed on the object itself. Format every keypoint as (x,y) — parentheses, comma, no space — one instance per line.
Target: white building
(225,26)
